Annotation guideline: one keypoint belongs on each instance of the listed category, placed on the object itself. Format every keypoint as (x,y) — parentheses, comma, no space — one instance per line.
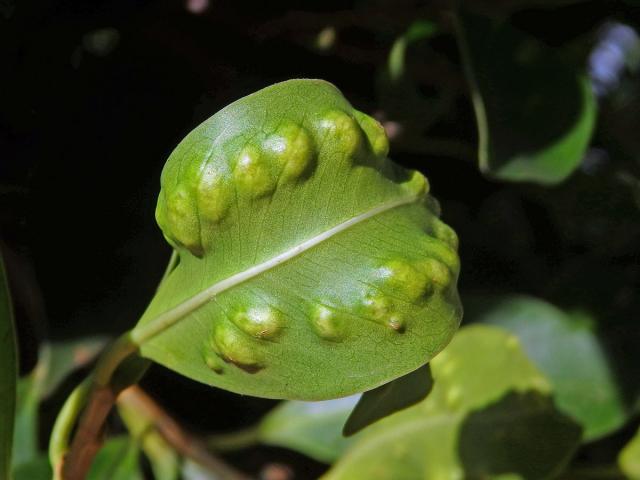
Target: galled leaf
(8,373)
(311,266)
(489,415)
(535,113)
(566,349)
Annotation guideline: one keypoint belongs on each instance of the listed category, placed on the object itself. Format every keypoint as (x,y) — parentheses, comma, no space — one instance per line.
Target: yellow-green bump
(214,193)
(214,362)
(404,279)
(292,149)
(259,322)
(417,184)
(182,219)
(327,323)
(234,347)
(252,173)
(381,309)
(437,272)
(342,129)
(375,134)
(445,233)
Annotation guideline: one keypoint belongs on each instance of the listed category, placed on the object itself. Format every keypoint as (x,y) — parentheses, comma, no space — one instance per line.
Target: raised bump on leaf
(404,279)
(375,134)
(327,323)
(235,348)
(252,173)
(182,219)
(342,126)
(259,322)
(292,149)
(214,193)
(417,184)
(381,309)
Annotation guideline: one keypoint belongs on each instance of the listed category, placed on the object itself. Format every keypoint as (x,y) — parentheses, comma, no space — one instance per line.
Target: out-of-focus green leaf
(25,435)
(566,349)
(37,468)
(116,460)
(291,283)
(164,460)
(8,373)
(419,30)
(62,358)
(389,398)
(535,113)
(489,414)
(629,458)
(312,428)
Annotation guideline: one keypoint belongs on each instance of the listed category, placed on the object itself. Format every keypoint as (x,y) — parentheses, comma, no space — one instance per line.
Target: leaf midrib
(162,322)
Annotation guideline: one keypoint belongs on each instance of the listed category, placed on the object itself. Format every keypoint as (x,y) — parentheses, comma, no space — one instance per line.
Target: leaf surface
(566,349)
(629,458)
(312,428)
(116,460)
(389,398)
(8,373)
(311,266)
(489,415)
(535,112)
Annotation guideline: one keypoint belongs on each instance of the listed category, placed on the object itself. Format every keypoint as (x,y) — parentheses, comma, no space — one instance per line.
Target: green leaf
(535,112)
(164,460)
(116,460)
(25,435)
(37,468)
(62,358)
(8,373)
(311,266)
(419,30)
(389,398)
(312,428)
(629,458)
(489,415)
(566,349)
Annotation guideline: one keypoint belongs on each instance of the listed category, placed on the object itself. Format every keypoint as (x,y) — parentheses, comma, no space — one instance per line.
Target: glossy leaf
(629,458)
(312,428)
(311,266)
(116,460)
(389,398)
(535,112)
(8,373)
(566,348)
(489,415)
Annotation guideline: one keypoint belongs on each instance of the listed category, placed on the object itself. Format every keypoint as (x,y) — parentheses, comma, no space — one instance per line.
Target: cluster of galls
(204,196)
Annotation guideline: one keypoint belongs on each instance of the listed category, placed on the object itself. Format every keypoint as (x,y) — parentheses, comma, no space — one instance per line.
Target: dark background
(95,95)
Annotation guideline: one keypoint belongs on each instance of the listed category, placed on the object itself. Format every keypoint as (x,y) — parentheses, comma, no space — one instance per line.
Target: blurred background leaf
(389,398)
(116,460)
(8,373)
(487,415)
(535,112)
(565,347)
(312,428)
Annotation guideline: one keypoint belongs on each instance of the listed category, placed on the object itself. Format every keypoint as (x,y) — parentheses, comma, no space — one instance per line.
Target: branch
(185,443)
